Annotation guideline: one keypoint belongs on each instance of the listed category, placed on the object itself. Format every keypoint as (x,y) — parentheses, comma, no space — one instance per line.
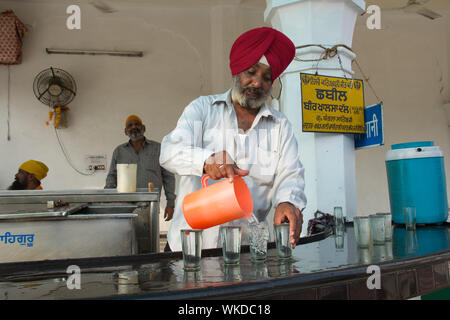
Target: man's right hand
(221,165)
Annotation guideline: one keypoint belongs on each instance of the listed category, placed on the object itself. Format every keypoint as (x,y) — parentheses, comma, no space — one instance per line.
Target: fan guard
(54,87)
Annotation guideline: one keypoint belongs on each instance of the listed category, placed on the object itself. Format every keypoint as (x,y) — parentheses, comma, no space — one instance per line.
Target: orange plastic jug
(218,203)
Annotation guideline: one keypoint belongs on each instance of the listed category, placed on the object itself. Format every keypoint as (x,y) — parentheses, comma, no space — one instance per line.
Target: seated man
(29,176)
(145,153)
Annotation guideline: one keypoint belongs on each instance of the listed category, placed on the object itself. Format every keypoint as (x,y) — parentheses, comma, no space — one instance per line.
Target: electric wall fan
(55,88)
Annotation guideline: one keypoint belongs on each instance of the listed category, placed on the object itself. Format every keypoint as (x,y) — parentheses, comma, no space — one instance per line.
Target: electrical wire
(366,79)
(331,53)
(67,157)
(8,106)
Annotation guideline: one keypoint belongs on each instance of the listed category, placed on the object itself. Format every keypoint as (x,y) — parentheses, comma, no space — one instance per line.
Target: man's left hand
(286,212)
(168,213)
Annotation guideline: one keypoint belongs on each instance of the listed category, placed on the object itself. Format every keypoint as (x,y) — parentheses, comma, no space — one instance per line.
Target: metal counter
(81,224)
(322,267)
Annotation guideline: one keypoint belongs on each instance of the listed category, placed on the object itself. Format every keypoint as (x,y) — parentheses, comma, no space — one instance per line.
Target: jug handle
(205,179)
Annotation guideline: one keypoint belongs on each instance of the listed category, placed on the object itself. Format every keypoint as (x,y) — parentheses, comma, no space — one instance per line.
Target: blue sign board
(374,136)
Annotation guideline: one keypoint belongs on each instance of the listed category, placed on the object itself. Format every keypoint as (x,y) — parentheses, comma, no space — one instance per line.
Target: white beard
(134,137)
(238,96)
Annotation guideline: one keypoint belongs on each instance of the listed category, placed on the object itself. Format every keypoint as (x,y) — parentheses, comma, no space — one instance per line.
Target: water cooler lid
(413,150)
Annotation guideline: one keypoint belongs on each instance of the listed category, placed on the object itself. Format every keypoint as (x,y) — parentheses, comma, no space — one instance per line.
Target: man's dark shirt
(148,168)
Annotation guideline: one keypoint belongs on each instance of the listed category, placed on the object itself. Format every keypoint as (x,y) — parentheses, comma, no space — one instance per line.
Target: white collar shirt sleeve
(268,150)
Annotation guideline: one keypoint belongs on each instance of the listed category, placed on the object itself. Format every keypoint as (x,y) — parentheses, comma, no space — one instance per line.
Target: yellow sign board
(332,104)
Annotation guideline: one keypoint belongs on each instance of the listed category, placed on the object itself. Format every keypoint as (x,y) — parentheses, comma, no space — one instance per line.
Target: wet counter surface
(322,267)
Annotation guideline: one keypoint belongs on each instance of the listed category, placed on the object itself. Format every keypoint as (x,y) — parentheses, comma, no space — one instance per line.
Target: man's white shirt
(269,150)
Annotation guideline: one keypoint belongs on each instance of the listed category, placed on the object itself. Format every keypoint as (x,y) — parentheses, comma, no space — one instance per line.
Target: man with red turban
(237,133)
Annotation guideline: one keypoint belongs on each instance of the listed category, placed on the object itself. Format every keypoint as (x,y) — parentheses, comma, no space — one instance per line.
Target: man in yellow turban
(29,176)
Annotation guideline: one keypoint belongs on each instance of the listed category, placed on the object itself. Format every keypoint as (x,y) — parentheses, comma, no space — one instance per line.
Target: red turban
(253,44)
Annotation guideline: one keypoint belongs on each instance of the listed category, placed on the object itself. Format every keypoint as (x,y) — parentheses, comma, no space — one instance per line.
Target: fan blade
(42,94)
(68,89)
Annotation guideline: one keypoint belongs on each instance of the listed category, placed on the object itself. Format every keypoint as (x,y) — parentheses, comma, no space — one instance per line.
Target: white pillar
(328,158)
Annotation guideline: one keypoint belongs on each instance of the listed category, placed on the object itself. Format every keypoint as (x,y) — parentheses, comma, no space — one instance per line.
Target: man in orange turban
(29,176)
(144,153)
(237,133)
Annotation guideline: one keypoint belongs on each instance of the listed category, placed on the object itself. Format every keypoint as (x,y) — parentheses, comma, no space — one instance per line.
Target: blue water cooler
(416,178)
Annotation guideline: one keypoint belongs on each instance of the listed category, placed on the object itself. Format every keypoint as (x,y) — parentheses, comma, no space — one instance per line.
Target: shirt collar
(264,111)
(146,141)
